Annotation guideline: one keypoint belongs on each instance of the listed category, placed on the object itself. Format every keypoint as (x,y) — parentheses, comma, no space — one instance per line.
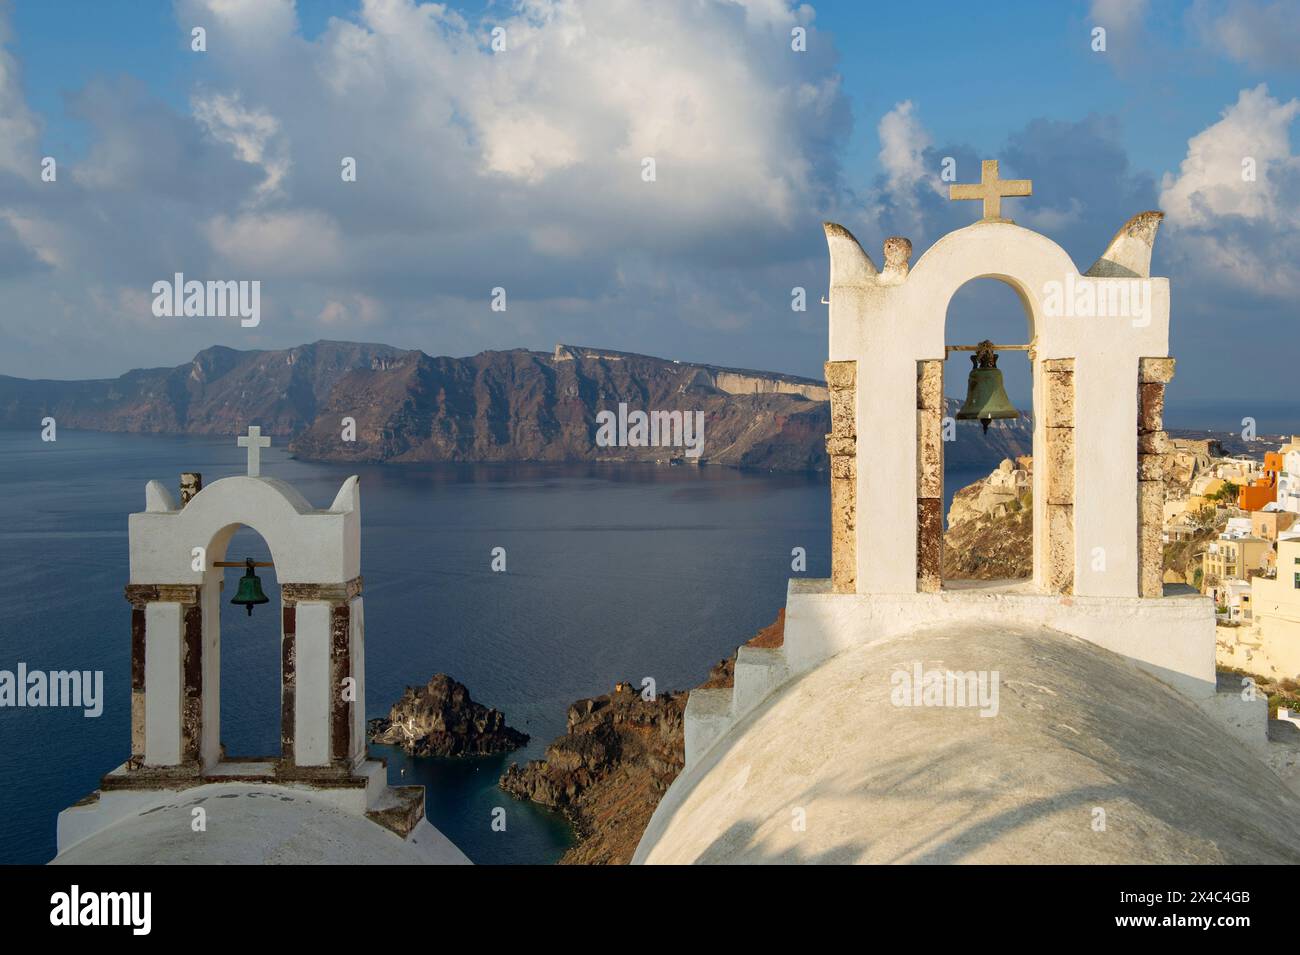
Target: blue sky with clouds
(521,169)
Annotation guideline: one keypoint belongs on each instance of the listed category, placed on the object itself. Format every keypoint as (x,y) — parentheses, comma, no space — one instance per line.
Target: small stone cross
(991,189)
(255,443)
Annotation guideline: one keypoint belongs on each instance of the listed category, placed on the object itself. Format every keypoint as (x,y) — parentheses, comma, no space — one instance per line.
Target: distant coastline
(356,402)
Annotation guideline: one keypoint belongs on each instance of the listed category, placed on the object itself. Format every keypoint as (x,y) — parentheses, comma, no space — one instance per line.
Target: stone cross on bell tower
(991,190)
(254,442)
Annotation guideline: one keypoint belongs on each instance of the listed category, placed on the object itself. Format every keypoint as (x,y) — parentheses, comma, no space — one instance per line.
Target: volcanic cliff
(516,405)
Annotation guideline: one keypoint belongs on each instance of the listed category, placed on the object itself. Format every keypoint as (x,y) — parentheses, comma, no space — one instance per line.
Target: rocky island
(440,719)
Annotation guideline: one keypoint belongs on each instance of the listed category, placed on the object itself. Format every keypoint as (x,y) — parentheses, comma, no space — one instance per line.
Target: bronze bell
(250,589)
(986,397)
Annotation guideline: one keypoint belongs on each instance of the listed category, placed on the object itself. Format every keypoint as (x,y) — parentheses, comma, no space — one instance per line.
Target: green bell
(986,398)
(250,589)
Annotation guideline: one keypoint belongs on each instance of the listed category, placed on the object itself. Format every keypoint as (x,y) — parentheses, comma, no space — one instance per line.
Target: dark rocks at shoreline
(619,755)
(440,719)
(607,773)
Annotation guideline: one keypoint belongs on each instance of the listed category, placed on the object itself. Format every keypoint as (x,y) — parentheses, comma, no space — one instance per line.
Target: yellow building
(1196,501)
(1276,610)
(1233,559)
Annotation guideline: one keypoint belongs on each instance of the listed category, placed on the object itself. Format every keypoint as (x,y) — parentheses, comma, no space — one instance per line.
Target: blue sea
(614,572)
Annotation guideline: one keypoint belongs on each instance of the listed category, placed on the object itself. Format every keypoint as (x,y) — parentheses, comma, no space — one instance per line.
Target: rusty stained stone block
(898,252)
(191,730)
(1059,564)
(137,647)
(1060,465)
(340,669)
(843,512)
(192,686)
(1151,467)
(841,375)
(842,418)
(1051,365)
(1151,406)
(1151,503)
(929,386)
(841,446)
(192,652)
(137,725)
(288,681)
(404,814)
(1151,562)
(137,682)
(141,594)
(191,484)
(1156,370)
(1152,442)
(929,544)
(929,454)
(1060,399)
(292,593)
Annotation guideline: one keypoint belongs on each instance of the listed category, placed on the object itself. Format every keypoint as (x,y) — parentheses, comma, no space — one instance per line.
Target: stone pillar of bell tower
(842,446)
(929,476)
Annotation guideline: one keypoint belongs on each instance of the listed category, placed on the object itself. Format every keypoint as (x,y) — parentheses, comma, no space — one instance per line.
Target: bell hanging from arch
(986,397)
(250,589)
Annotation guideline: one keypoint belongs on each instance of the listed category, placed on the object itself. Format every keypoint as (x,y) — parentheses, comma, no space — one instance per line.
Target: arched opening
(243,711)
(988,507)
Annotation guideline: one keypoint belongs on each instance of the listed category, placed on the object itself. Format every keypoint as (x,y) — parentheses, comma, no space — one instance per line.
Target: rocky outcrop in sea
(608,772)
(440,719)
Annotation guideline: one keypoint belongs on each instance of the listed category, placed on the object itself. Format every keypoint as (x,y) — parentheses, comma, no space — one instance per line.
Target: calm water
(613,573)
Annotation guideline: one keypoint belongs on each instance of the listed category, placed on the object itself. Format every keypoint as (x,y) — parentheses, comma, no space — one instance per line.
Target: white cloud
(18,126)
(257,22)
(1243,227)
(278,243)
(903,143)
(1210,182)
(474,169)
(253,134)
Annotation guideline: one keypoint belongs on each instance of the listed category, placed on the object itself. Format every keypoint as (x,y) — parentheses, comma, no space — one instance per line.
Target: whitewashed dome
(255,824)
(1078,729)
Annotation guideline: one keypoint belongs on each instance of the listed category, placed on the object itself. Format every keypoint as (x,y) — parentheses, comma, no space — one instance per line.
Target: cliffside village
(1231,529)
(1235,518)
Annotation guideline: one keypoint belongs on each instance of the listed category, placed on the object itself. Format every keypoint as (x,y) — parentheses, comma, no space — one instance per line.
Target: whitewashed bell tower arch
(175,594)
(1099,352)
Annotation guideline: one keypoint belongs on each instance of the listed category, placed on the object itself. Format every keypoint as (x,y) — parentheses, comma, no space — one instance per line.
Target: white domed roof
(256,824)
(1078,729)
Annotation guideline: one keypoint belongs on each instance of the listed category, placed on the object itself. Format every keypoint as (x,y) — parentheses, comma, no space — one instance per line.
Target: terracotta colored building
(1261,490)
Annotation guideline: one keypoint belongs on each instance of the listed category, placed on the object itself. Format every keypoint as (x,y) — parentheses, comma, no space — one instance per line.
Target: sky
(523,169)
